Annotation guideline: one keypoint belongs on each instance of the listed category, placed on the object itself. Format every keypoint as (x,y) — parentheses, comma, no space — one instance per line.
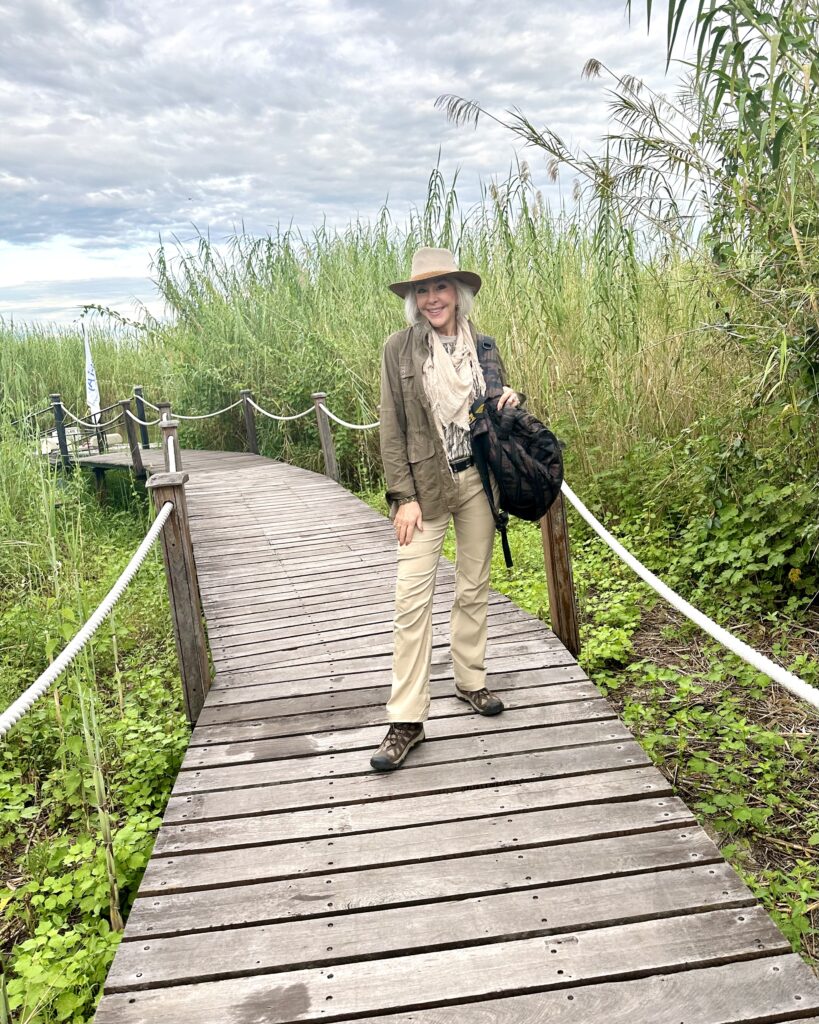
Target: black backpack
(524,457)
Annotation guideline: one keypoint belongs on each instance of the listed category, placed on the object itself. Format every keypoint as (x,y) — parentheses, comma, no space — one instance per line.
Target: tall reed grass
(617,346)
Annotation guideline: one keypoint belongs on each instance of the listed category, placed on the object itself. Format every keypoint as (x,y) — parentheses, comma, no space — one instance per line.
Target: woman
(430,375)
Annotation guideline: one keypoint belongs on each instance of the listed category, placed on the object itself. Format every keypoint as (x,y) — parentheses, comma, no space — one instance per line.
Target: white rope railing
(344,423)
(89,423)
(143,423)
(759,661)
(208,415)
(227,408)
(43,683)
(273,416)
(756,659)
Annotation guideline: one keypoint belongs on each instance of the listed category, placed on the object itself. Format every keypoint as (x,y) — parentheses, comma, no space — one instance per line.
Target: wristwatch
(406,501)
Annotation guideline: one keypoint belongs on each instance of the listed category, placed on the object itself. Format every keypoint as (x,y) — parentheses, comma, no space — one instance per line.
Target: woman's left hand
(510,398)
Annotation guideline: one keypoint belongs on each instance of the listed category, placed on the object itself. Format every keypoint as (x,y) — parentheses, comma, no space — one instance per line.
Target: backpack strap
(499,515)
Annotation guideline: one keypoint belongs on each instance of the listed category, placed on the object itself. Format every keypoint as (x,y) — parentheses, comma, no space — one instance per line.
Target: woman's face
(438,301)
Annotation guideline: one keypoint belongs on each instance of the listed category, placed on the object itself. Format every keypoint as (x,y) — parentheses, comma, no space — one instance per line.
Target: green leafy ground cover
(114,719)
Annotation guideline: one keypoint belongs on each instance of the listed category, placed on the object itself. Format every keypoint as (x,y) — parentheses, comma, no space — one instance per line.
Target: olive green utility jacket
(413,454)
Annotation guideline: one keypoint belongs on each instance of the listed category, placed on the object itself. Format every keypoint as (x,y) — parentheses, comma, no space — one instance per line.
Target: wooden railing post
(250,421)
(59,423)
(170,430)
(133,444)
(326,436)
(183,590)
(140,411)
(164,410)
(562,598)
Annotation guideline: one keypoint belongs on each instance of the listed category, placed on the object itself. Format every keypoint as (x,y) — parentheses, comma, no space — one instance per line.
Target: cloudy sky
(129,120)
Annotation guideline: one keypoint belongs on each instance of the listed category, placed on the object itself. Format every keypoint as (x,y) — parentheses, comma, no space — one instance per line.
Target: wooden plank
(746,992)
(323,597)
(518,768)
(535,829)
(428,881)
(282,616)
(342,708)
(268,685)
(244,644)
(362,689)
(332,732)
(357,657)
(451,976)
(320,574)
(353,598)
(285,516)
(521,716)
(374,646)
(430,808)
(299,621)
(349,532)
(491,917)
(317,586)
(442,751)
(305,632)
(376,671)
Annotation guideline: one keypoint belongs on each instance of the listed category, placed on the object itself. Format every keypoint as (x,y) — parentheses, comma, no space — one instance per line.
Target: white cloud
(128,119)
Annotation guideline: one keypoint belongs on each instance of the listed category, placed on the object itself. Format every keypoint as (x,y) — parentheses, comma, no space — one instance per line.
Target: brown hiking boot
(484,702)
(399,741)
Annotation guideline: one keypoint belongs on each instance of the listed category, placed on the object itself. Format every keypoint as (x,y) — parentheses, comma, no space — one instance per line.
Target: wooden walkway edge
(531,867)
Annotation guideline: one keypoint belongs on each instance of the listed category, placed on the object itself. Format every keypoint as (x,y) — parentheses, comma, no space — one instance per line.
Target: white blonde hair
(466,299)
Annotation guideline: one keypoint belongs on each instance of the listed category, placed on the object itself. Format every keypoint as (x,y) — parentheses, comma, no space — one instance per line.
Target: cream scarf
(452,383)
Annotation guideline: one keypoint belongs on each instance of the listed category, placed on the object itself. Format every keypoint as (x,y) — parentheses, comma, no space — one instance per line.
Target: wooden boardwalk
(531,867)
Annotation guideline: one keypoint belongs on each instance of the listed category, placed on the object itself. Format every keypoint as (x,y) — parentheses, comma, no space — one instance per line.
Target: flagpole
(92,391)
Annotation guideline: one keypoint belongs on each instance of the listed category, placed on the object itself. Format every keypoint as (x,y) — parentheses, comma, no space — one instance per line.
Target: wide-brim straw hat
(428,263)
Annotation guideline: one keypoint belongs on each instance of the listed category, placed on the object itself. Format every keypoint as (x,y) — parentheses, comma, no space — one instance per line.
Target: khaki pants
(412,629)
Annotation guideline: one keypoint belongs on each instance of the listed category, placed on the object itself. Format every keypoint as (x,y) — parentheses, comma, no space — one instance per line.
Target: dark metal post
(562,597)
(140,408)
(170,432)
(183,590)
(326,436)
(99,480)
(133,444)
(250,421)
(102,441)
(59,422)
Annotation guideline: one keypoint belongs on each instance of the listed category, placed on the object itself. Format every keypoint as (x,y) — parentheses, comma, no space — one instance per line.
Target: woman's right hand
(407,521)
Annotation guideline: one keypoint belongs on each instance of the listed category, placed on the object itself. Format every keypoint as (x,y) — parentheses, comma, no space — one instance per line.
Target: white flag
(92,391)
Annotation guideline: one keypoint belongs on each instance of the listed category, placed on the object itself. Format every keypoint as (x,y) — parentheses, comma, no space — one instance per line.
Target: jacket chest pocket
(409,389)
(419,442)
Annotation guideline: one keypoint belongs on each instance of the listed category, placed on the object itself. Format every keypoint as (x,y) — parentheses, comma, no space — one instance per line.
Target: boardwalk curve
(525,868)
